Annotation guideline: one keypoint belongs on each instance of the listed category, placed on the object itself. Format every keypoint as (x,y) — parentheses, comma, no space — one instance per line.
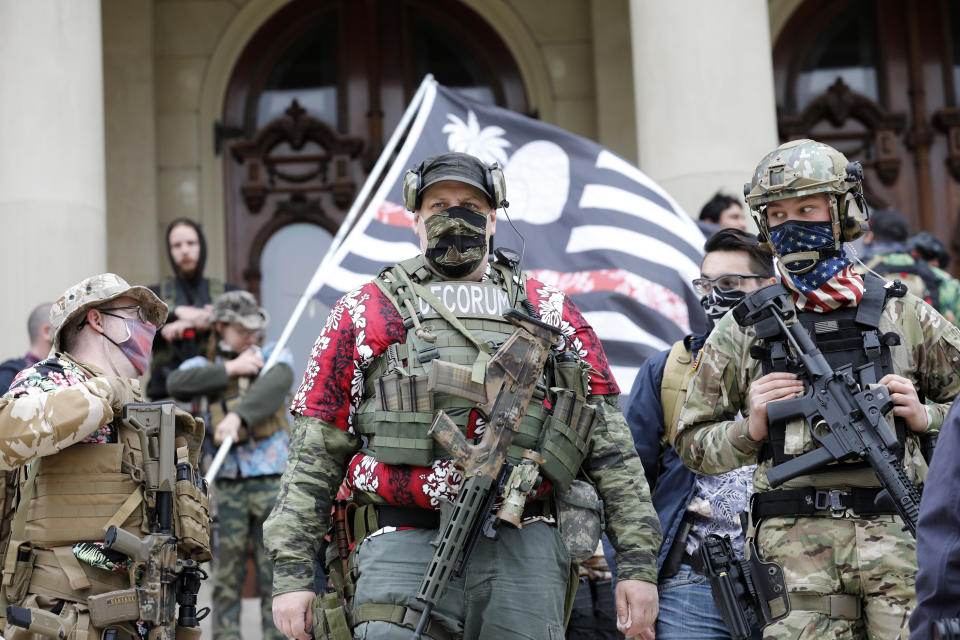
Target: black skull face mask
(456,241)
(716,303)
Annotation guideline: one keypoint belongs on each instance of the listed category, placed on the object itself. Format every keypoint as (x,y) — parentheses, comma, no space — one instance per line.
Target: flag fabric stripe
(657,297)
(584,219)
(608,160)
(382,250)
(602,238)
(612,323)
(600,196)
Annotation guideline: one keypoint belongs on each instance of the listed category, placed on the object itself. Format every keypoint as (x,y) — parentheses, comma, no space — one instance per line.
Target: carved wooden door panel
(878,80)
(317,92)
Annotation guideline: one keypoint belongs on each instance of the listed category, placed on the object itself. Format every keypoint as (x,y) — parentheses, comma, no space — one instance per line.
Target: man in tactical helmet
(888,256)
(847,560)
(378,376)
(926,246)
(64,414)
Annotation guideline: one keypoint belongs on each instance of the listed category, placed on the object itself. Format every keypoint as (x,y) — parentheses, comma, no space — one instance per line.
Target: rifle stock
(42,622)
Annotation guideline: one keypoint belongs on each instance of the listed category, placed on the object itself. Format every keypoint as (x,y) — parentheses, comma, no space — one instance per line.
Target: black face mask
(716,303)
(456,241)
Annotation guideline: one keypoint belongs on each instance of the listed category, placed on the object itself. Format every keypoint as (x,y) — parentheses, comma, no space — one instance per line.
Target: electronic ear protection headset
(493,183)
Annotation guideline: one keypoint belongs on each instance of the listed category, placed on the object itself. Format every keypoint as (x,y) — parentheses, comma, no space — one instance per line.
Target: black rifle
(749,593)
(846,420)
(510,380)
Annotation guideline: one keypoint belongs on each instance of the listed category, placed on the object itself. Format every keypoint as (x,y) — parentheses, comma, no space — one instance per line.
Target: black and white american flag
(593,225)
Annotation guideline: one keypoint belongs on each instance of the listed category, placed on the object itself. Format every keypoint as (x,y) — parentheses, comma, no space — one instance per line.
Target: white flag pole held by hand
(338,239)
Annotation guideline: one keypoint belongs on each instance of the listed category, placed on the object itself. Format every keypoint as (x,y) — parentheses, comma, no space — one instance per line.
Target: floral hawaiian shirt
(56,373)
(361,325)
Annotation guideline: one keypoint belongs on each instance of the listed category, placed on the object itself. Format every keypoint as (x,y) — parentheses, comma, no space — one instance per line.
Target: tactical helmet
(242,308)
(805,167)
(926,246)
(99,290)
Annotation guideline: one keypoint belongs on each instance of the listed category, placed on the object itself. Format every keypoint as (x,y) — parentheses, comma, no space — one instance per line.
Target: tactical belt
(812,501)
(391,516)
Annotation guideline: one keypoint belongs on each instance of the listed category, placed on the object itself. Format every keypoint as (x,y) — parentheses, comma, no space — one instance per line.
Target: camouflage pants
(243,505)
(871,558)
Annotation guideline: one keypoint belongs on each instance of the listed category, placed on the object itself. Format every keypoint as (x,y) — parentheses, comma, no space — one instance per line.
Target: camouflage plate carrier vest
(401,391)
(231,396)
(917,276)
(845,336)
(76,495)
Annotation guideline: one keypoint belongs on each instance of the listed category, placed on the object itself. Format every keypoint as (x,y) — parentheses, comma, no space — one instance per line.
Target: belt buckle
(824,500)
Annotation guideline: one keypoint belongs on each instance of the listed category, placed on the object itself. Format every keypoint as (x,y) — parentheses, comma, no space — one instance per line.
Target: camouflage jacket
(711,440)
(52,405)
(948,291)
(949,295)
(322,447)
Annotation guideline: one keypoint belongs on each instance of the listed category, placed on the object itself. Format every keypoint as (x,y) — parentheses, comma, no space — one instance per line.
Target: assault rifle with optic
(845,419)
(510,381)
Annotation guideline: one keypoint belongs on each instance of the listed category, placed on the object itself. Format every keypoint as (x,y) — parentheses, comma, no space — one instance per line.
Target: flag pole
(338,239)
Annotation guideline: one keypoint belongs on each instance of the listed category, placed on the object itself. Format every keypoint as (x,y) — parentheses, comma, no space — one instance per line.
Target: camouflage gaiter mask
(456,241)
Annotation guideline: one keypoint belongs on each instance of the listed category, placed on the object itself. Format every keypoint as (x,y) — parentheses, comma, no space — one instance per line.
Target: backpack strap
(676,375)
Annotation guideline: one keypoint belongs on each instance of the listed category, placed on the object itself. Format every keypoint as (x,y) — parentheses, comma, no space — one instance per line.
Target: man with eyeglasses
(63,414)
(689,505)
(249,409)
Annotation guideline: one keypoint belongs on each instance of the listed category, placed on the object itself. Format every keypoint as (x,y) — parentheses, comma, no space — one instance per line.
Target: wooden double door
(878,79)
(316,94)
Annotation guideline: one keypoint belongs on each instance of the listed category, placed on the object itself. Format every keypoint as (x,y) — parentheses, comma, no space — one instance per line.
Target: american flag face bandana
(795,237)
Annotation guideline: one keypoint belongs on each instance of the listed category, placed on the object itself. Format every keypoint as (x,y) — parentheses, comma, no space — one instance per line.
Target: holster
(671,564)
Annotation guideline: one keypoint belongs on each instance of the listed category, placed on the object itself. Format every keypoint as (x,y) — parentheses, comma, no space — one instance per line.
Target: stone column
(52,194)
(703,80)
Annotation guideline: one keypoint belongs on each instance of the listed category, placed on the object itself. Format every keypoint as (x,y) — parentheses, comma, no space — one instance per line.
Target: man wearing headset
(366,386)
(848,561)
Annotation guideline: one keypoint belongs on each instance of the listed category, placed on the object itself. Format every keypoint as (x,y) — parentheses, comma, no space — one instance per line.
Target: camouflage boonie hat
(242,308)
(798,168)
(96,291)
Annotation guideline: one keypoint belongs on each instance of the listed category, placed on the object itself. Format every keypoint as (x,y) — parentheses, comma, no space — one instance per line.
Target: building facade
(261,118)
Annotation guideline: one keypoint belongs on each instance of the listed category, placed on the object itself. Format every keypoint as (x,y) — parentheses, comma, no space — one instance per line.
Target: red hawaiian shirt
(361,325)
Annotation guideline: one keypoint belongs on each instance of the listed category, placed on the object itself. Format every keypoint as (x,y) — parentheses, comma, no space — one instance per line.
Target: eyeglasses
(246,333)
(728,282)
(140,314)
